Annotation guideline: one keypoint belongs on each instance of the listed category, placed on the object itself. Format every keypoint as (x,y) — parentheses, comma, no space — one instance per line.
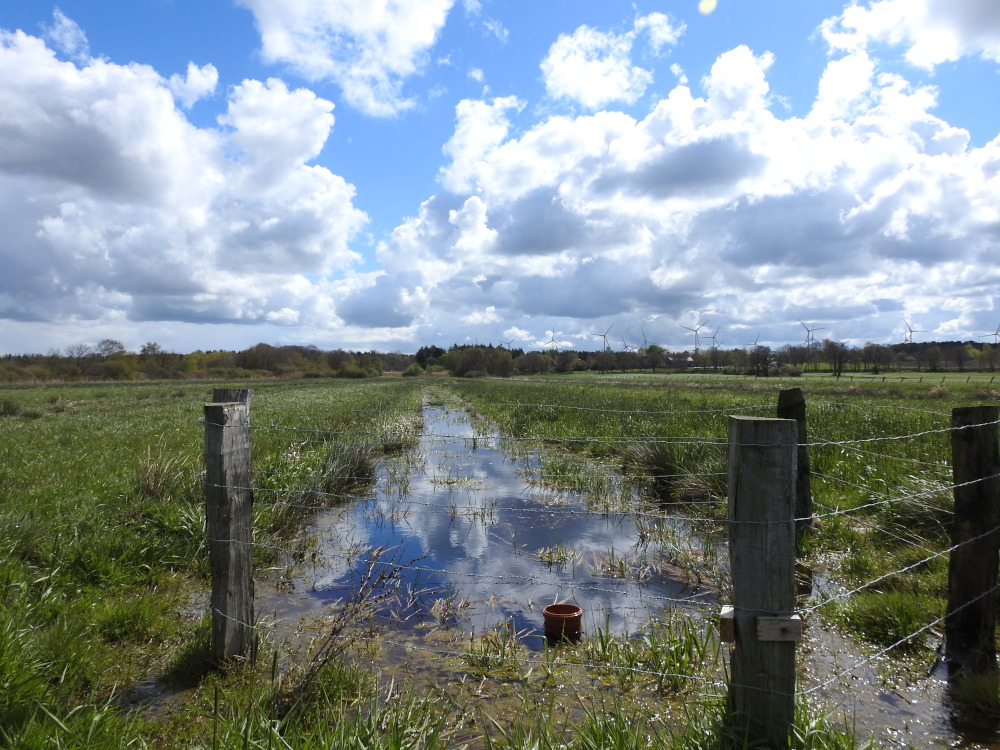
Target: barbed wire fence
(763,464)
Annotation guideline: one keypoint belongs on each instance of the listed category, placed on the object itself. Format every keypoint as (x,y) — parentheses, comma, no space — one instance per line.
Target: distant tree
(988,354)
(79,351)
(565,360)
(603,361)
(428,355)
(257,357)
(960,355)
(396,362)
(933,355)
(533,363)
(371,363)
(836,354)
(874,357)
(108,348)
(654,356)
(501,363)
(117,368)
(761,359)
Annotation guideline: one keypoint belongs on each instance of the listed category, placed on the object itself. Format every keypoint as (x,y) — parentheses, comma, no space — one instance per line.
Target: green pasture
(103,567)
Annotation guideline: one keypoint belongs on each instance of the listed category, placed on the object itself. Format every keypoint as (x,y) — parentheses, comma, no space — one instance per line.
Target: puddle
(478,525)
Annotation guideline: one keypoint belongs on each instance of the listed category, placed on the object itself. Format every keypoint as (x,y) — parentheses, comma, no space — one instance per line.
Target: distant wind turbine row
(810,340)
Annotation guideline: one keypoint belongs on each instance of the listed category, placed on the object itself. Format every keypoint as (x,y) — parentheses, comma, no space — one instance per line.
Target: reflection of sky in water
(479,527)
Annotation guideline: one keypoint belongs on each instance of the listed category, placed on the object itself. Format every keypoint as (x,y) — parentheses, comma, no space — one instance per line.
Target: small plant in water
(494,653)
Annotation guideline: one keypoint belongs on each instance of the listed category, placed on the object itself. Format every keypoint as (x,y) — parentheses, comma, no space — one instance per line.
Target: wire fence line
(862,515)
(599,439)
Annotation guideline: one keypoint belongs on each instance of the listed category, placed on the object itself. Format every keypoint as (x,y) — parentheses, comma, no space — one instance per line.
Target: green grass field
(103,565)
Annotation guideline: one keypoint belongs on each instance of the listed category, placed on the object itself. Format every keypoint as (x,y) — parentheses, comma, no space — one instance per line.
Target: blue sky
(366,174)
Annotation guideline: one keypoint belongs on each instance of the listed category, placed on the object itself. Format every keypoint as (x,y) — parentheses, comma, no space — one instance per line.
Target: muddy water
(478,525)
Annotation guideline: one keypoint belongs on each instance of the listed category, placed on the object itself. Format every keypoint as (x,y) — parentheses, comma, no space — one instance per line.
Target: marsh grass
(674,654)
(891,618)
(497,653)
(677,472)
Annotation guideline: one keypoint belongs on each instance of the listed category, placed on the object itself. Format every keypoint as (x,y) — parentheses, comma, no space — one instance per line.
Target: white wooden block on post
(779,628)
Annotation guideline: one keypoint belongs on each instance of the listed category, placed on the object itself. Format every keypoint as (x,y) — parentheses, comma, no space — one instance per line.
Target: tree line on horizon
(110,360)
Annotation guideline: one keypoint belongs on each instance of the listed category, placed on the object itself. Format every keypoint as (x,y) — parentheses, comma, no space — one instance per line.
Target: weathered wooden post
(228,505)
(232,395)
(792,405)
(970,622)
(762,460)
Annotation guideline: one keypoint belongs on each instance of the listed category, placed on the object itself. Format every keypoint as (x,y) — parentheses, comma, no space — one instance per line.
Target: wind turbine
(712,337)
(910,330)
(553,339)
(626,347)
(604,336)
(810,336)
(508,343)
(995,335)
(695,332)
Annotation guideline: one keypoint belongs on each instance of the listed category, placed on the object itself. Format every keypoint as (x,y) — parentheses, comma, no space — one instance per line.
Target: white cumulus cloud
(199,82)
(709,200)
(116,207)
(932,31)
(594,68)
(368,47)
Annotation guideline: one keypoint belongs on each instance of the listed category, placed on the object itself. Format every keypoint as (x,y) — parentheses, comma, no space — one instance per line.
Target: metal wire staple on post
(228,506)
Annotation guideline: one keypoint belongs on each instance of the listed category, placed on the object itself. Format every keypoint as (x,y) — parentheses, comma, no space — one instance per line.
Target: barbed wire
(602,439)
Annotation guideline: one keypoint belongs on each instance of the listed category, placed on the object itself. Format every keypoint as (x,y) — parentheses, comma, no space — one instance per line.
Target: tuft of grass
(347,466)
(129,620)
(891,618)
(495,653)
(9,408)
(975,700)
(162,477)
(668,657)
(680,473)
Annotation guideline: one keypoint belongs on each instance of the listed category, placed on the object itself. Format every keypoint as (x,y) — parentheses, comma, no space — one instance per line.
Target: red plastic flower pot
(563,620)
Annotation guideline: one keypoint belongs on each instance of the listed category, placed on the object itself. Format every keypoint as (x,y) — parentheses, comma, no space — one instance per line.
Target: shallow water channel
(491,544)
(482,529)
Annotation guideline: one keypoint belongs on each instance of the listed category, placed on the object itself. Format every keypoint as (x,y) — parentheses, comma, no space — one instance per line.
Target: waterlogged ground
(492,545)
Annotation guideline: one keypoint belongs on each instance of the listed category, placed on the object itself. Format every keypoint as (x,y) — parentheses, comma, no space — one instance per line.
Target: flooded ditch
(491,545)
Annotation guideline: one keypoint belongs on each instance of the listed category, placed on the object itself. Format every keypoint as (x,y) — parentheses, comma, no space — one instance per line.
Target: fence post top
(737,418)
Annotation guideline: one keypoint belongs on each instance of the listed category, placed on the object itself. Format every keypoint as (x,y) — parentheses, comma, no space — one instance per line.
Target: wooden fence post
(970,623)
(232,395)
(228,506)
(762,459)
(792,405)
